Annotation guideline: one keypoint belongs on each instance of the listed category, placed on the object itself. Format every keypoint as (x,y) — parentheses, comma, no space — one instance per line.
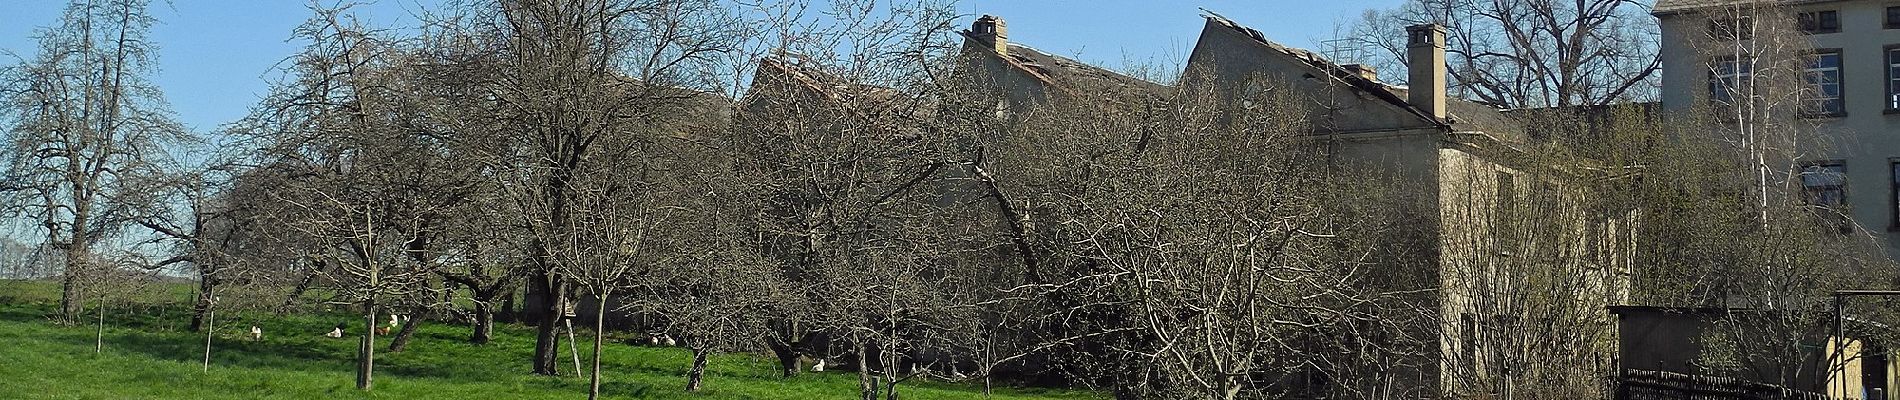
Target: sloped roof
(1077,74)
(1675,6)
(795,70)
(1461,115)
(1066,73)
(792,67)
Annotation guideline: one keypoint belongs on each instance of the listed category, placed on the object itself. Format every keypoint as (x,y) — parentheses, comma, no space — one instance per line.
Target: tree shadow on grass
(629,389)
(608,388)
(290,356)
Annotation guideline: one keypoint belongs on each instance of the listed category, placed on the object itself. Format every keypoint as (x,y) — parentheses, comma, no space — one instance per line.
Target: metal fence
(1659,385)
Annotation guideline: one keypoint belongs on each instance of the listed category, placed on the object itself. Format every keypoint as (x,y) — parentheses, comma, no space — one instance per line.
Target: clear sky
(215,55)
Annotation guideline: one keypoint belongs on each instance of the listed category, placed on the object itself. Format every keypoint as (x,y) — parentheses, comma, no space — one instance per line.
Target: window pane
(1730,78)
(1725,28)
(1818,176)
(1894,168)
(1819,21)
(1893,78)
(1825,186)
(1824,80)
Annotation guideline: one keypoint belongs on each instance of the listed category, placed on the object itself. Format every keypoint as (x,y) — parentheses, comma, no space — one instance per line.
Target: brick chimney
(1425,68)
(990,30)
(1363,71)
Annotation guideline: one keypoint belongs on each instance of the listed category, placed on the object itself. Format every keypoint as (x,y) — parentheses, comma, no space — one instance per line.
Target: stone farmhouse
(1456,162)
(1457,155)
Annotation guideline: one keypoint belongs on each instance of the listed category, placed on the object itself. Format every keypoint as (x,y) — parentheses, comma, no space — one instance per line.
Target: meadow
(148,354)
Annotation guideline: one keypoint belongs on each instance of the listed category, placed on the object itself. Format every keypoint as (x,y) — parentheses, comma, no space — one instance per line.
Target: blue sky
(215,55)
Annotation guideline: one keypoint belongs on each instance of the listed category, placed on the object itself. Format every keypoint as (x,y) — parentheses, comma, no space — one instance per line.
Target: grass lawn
(147,355)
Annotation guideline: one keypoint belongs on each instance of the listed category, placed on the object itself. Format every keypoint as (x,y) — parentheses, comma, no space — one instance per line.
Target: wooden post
(211,324)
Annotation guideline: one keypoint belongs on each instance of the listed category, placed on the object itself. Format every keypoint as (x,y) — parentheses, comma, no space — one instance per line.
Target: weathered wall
(1231,58)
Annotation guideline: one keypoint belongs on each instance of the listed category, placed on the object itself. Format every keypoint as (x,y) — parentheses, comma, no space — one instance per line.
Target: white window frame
(1893,78)
(1729,78)
(1817,77)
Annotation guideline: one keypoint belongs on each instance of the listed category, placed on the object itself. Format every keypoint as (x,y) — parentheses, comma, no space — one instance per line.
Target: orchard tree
(82,117)
(564,79)
(361,183)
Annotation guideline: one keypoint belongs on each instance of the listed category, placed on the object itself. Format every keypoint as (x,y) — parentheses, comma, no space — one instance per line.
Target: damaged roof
(1461,114)
(793,69)
(1066,73)
(1076,74)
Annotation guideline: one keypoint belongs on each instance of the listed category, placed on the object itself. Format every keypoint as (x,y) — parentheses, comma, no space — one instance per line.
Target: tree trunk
(546,339)
(202,304)
(401,340)
(507,312)
(417,315)
(69,294)
(698,371)
(76,266)
(787,356)
(867,385)
(892,369)
(303,285)
(366,348)
(600,325)
(484,323)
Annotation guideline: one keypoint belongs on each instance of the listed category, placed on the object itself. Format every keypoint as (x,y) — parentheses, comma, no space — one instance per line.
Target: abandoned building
(1457,159)
(1458,153)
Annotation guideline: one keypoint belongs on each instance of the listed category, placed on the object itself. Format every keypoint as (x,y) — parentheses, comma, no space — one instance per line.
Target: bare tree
(83,117)
(1194,248)
(565,77)
(1530,53)
(638,216)
(356,176)
(204,227)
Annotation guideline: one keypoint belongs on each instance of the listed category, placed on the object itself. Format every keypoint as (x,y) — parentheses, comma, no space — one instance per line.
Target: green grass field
(147,355)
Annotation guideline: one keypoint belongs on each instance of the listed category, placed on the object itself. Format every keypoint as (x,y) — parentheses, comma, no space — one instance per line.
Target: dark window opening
(1893,194)
(1824,186)
(1813,22)
(1732,28)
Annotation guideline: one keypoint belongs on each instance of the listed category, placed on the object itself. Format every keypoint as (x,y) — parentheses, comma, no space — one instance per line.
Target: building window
(1893,193)
(1812,22)
(1824,80)
(1893,18)
(1730,79)
(1893,78)
(1824,183)
(1732,28)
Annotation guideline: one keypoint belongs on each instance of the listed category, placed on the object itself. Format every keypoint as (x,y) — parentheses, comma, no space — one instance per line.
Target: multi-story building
(1852,161)
(1835,68)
